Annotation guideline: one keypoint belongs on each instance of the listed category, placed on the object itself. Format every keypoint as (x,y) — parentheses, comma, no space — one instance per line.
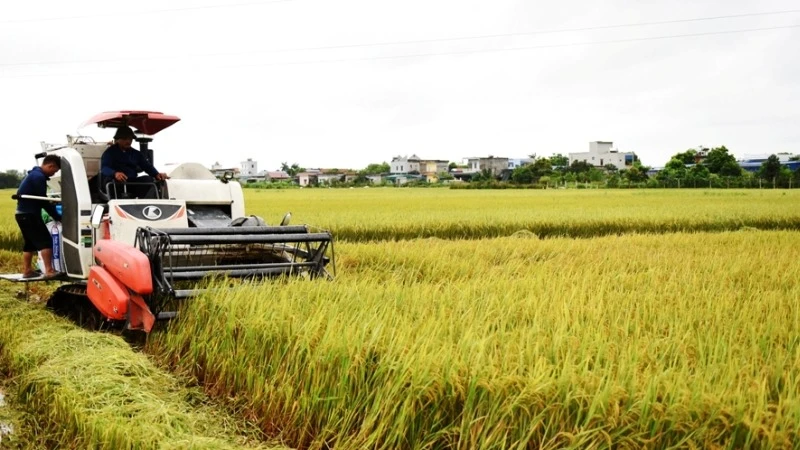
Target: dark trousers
(34,232)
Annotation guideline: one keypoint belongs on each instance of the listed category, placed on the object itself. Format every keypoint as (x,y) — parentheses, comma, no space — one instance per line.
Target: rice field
(458,319)
(688,340)
(392,214)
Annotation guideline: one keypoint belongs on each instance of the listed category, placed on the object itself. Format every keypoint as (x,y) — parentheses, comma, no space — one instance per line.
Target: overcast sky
(295,80)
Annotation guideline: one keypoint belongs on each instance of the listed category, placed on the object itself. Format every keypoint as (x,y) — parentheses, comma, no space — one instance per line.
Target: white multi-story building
(405,164)
(249,168)
(602,153)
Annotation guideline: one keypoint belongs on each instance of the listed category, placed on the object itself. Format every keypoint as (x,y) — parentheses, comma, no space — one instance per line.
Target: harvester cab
(129,260)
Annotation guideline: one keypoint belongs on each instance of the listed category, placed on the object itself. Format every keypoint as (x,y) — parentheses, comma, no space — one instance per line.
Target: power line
(450,53)
(140,13)
(420,41)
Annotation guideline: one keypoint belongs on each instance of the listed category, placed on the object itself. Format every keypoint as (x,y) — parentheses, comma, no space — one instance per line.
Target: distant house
(405,164)
(249,168)
(433,168)
(309,177)
(277,175)
(462,174)
(218,170)
(313,177)
(513,163)
(403,178)
(429,169)
(602,153)
(375,179)
(495,165)
(328,178)
(249,171)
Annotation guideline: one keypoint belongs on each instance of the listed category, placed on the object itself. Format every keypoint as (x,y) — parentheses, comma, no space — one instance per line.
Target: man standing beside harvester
(29,217)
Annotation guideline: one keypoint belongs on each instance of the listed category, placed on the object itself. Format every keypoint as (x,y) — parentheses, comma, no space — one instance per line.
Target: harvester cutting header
(130,247)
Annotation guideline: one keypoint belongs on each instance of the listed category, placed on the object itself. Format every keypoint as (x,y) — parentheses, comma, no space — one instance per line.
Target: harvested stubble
(91,390)
(681,340)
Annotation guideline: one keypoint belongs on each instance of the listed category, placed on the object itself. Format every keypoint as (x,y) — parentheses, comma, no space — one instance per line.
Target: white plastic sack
(55,230)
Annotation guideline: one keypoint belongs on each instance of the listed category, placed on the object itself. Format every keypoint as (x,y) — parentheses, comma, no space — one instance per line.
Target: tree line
(716,168)
(10,179)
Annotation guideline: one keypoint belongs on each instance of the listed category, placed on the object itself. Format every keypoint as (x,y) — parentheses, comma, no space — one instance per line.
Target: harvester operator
(29,217)
(122,163)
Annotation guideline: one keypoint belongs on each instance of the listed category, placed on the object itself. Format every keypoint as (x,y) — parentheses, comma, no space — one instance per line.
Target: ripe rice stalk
(681,340)
(363,215)
(360,215)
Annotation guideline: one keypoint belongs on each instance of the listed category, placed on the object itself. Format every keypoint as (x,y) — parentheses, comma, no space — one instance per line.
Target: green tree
(687,157)
(292,170)
(699,172)
(718,158)
(10,179)
(579,167)
(673,173)
(361,179)
(596,175)
(376,169)
(483,175)
(544,181)
(697,176)
(730,169)
(634,175)
(610,168)
(522,175)
(785,176)
(559,160)
(637,173)
(675,168)
(531,173)
(770,169)
(542,167)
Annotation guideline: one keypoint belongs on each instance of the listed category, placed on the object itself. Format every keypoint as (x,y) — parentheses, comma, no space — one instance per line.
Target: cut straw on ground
(91,390)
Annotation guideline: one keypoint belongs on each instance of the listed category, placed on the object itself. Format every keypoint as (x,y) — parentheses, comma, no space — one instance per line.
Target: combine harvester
(128,261)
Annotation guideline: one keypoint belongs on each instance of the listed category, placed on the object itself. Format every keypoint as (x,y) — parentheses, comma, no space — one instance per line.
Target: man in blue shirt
(29,217)
(122,163)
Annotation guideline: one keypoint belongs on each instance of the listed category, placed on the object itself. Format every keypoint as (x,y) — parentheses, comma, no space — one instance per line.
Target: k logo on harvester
(151,212)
